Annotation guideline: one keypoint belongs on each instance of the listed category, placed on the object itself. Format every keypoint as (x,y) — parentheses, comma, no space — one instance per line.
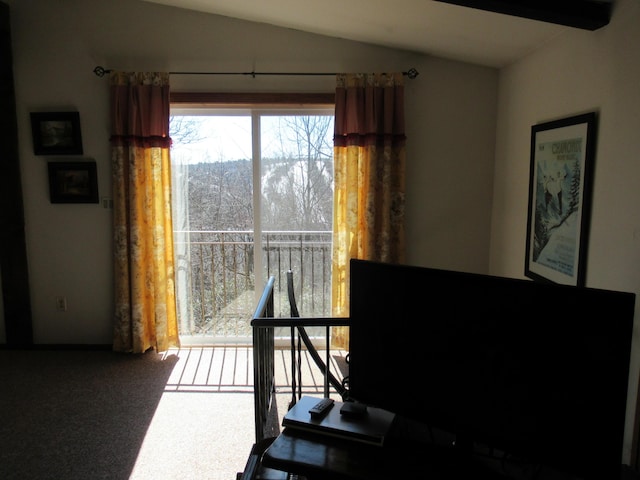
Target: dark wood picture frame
(56,133)
(73,182)
(560,185)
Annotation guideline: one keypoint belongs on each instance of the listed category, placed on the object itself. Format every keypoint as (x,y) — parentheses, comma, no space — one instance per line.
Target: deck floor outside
(230,369)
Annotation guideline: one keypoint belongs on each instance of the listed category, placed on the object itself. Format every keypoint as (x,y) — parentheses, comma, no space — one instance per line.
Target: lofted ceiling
(493,33)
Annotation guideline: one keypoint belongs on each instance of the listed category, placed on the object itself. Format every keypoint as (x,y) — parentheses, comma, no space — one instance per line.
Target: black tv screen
(536,371)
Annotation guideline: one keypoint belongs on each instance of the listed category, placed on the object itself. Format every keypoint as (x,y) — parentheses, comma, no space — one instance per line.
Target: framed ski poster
(560,183)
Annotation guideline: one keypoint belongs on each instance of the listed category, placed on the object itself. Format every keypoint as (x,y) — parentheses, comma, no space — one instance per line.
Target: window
(252,197)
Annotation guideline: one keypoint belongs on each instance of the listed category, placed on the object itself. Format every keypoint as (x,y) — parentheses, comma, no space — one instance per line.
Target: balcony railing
(216,279)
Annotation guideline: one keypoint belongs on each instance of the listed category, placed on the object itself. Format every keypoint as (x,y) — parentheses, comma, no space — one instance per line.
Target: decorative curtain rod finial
(412,73)
(100,71)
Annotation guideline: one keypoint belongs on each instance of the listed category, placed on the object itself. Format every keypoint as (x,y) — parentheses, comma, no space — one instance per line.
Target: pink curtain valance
(144,96)
(369,109)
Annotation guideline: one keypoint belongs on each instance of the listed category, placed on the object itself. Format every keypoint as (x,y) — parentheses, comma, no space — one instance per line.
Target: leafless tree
(298,184)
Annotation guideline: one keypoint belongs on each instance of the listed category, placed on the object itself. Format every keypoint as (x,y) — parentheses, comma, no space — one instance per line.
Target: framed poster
(73,182)
(56,133)
(560,182)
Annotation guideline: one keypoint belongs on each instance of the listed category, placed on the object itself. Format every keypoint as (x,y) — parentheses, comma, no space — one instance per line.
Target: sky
(228,137)
(222,138)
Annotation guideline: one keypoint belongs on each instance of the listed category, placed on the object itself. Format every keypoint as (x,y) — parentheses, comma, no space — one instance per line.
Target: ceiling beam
(584,14)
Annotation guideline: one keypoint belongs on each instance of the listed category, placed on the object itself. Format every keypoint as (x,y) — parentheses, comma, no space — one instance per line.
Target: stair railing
(263,324)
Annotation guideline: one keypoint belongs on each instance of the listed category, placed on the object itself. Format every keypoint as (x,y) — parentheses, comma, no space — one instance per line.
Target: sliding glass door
(252,197)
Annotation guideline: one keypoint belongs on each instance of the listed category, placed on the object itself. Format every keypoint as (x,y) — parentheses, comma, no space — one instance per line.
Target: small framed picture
(56,133)
(73,182)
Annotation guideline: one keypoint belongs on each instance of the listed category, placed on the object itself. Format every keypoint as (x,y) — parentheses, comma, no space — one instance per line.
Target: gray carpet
(98,414)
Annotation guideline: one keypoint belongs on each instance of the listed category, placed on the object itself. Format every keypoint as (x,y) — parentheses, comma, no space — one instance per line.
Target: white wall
(450,156)
(57,44)
(578,72)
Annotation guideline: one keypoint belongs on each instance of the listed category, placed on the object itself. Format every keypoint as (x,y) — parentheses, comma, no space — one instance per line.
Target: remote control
(321,408)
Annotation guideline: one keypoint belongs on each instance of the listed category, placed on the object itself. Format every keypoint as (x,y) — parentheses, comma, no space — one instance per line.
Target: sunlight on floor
(197,435)
(203,426)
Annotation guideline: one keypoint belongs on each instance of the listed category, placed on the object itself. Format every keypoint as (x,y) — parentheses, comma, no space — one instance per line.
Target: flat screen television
(536,371)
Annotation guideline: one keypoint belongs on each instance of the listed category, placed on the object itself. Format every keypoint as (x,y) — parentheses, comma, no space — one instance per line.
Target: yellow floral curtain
(145,306)
(369,179)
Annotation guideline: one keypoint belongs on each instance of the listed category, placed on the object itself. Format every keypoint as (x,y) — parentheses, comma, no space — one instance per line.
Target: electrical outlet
(61,304)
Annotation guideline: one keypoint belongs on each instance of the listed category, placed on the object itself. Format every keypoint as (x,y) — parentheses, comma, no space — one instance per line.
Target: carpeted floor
(97,414)
(92,414)
(210,438)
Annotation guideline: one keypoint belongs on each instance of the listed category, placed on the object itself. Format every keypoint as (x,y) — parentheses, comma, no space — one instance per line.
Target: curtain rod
(101,71)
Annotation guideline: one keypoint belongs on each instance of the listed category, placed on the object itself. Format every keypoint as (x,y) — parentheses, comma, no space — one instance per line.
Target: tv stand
(320,457)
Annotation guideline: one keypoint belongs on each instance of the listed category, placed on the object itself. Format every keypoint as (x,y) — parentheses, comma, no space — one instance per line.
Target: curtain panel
(145,305)
(369,179)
